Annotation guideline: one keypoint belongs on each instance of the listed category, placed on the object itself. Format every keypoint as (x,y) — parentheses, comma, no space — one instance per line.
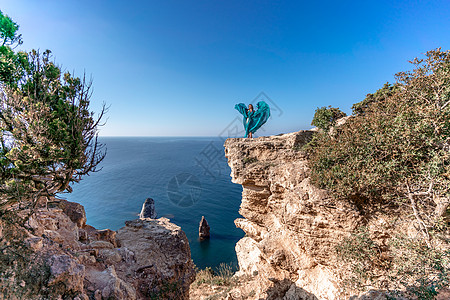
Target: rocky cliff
(57,256)
(292,227)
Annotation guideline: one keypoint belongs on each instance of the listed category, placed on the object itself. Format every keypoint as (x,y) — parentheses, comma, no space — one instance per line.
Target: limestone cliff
(58,256)
(291,226)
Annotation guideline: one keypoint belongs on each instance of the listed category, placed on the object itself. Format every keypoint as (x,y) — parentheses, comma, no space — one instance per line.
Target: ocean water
(187,177)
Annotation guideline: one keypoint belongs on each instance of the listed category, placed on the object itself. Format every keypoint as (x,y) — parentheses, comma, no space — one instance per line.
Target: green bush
(48,135)
(394,153)
(223,276)
(360,254)
(398,148)
(325,117)
(412,257)
(380,95)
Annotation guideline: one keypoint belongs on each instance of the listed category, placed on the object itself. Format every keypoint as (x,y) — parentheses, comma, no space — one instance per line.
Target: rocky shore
(61,257)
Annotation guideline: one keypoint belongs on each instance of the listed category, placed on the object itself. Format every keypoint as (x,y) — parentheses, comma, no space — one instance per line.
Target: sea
(187,177)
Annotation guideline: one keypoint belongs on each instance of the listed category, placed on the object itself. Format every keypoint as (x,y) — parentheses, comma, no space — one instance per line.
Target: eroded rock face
(291,229)
(60,257)
(161,258)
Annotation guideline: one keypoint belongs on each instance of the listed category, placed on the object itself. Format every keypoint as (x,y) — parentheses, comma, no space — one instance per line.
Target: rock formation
(291,227)
(148,209)
(203,229)
(58,256)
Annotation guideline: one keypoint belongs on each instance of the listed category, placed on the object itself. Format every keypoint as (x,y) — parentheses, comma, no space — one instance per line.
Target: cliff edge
(291,227)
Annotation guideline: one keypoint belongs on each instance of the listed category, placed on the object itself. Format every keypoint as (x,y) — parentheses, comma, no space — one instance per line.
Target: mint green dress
(253,120)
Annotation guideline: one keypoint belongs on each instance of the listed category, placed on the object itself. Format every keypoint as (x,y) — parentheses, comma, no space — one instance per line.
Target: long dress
(253,120)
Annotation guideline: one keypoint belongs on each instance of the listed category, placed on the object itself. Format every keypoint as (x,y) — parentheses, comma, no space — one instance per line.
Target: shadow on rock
(287,290)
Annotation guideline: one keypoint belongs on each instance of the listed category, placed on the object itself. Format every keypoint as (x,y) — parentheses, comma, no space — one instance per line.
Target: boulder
(158,257)
(74,211)
(66,271)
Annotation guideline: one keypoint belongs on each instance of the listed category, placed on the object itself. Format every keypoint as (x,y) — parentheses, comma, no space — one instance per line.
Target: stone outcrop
(57,256)
(203,229)
(148,209)
(159,259)
(291,226)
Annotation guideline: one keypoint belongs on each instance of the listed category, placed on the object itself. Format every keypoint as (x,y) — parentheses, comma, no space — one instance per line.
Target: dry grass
(216,284)
(222,276)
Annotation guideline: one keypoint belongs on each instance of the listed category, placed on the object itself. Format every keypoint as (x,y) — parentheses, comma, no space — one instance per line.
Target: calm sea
(187,177)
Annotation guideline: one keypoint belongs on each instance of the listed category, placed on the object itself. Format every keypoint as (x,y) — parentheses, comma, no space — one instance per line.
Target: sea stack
(148,209)
(203,229)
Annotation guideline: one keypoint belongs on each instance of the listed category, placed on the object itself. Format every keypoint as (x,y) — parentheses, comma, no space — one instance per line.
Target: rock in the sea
(148,209)
(203,229)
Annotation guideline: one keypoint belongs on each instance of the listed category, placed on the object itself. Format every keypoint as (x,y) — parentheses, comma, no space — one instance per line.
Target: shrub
(380,95)
(325,117)
(360,253)
(395,153)
(398,149)
(411,266)
(48,135)
(412,257)
(223,275)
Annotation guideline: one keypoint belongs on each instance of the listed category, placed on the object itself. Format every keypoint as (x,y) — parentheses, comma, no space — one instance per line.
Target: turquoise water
(187,177)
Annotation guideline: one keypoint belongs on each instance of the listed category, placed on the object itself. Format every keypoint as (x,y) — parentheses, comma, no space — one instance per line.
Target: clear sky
(177,68)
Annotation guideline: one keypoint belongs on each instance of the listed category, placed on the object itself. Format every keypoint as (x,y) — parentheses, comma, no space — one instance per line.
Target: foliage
(360,253)
(395,152)
(325,117)
(411,257)
(250,160)
(48,135)
(12,65)
(380,95)
(216,283)
(8,31)
(411,265)
(398,149)
(164,290)
(222,276)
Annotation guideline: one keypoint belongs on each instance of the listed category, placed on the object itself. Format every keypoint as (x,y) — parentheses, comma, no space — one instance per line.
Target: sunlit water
(187,177)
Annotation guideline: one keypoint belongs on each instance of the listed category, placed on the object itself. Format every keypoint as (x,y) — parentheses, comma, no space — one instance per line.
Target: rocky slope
(291,226)
(58,256)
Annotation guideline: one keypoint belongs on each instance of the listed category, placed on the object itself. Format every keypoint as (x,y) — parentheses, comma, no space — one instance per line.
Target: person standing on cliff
(253,120)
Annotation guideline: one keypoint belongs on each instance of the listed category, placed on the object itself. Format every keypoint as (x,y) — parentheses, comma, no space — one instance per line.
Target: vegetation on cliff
(48,135)
(326,117)
(394,151)
(48,139)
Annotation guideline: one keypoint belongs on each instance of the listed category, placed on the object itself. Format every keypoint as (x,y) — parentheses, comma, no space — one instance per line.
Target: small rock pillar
(203,229)
(148,209)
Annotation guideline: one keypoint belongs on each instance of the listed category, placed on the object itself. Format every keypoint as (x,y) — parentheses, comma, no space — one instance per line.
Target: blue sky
(177,68)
